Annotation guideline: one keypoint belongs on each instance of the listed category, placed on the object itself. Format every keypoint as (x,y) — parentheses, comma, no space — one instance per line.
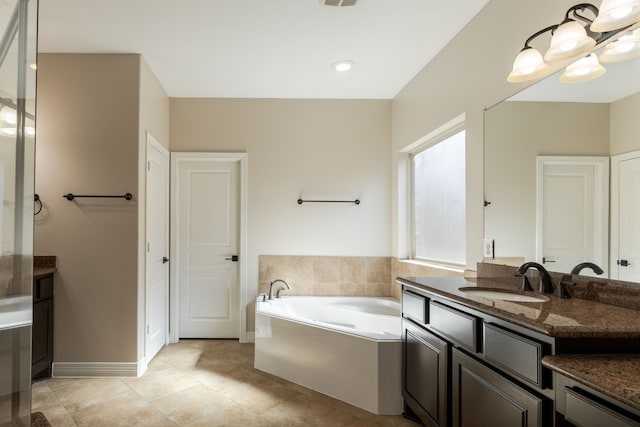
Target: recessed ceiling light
(342,66)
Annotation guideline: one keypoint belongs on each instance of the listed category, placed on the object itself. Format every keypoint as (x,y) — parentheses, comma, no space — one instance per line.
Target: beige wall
(318,149)
(467,76)
(92,112)
(625,126)
(517,132)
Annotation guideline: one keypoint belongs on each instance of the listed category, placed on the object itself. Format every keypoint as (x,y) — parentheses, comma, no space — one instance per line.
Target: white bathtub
(346,347)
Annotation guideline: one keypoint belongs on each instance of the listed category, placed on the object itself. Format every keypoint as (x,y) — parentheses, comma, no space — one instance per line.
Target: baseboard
(250,337)
(98,369)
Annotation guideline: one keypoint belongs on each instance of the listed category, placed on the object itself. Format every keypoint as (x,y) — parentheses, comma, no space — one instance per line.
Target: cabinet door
(42,339)
(483,397)
(425,367)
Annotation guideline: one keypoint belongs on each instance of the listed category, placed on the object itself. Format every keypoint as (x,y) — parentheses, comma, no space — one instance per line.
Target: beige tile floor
(197,383)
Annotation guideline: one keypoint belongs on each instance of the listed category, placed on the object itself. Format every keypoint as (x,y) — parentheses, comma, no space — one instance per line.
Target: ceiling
(262,48)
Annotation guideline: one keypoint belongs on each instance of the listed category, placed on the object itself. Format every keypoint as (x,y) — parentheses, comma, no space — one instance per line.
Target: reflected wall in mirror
(596,118)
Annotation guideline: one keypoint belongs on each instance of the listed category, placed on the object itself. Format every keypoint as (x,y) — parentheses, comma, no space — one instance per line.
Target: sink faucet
(284,286)
(546,286)
(578,268)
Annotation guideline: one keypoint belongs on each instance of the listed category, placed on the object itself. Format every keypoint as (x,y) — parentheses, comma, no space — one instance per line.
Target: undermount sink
(502,295)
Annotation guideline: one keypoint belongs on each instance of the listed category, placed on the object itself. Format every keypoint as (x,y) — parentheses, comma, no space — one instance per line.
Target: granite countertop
(43,265)
(615,375)
(43,271)
(557,317)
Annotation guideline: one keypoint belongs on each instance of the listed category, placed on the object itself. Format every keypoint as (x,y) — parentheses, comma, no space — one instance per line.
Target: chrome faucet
(281,287)
(578,268)
(546,286)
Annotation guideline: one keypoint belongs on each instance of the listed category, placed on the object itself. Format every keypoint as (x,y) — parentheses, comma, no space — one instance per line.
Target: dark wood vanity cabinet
(462,370)
(42,328)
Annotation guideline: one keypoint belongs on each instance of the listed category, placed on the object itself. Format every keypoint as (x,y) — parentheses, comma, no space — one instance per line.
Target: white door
(207,240)
(157,267)
(625,217)
(572,217)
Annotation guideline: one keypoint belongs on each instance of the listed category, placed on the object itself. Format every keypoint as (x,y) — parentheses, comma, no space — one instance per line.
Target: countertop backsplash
(613,292)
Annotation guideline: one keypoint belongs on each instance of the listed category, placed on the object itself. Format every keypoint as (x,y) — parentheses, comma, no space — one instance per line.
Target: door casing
(154,144)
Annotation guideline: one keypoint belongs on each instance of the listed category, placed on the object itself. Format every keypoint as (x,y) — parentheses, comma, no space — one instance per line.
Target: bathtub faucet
(284,285)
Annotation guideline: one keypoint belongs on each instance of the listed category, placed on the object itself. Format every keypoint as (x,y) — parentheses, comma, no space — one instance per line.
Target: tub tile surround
(327,275)
(606,291)
(343,276)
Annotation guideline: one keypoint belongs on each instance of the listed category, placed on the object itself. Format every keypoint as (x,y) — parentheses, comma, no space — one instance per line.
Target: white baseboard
(98,369)
(250,337)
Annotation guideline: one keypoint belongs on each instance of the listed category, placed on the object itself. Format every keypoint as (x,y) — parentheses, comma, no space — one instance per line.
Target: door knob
(165,260)
(233,258)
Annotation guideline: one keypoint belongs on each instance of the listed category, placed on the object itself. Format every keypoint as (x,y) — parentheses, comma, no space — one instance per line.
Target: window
(439,219)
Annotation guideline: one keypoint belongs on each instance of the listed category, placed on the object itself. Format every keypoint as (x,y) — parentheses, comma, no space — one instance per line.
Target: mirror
(599,118)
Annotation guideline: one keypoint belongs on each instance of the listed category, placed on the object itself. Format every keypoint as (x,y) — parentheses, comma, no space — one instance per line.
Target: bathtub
(345,347)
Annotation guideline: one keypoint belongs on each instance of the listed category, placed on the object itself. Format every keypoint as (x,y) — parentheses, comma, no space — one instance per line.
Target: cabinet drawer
(414,306)
(459,327)
(520,356)
(585,412)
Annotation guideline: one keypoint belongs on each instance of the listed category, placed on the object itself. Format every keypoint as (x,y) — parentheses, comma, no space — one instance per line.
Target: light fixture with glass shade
(616,14)
(529,64)
(583,70)
(577,36)
(626,47)
(569,40)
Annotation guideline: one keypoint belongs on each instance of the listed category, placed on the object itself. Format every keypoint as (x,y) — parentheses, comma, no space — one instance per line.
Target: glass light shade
(528,65)
(626,47)
(584,69)
(569,39)
(616,14)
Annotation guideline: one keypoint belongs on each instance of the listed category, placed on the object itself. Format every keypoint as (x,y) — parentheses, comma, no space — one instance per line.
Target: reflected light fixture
(584,69)
(616,14)
(576,37)
(626,47)
(8,115)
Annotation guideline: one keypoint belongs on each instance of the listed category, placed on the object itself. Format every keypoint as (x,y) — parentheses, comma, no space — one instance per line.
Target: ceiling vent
(339,3)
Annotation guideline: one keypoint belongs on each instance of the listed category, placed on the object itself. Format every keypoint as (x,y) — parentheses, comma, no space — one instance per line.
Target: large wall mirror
(552,173)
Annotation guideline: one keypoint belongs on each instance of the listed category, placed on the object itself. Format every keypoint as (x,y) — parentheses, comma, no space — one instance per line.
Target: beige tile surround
(344,276)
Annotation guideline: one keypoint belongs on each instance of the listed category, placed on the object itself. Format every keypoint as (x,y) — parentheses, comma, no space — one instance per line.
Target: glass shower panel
(18,47)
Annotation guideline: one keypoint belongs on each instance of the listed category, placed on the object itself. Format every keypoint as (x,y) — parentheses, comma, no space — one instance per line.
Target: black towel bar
(356,201)
(71,196)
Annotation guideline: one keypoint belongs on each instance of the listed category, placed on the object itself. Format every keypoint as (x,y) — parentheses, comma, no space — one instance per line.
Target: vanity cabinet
(463,369)
(42,328)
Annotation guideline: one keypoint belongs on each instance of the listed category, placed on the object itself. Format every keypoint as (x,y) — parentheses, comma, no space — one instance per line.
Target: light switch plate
(488,248)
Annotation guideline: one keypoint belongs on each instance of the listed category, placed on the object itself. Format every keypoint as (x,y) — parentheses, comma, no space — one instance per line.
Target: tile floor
(197,383)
